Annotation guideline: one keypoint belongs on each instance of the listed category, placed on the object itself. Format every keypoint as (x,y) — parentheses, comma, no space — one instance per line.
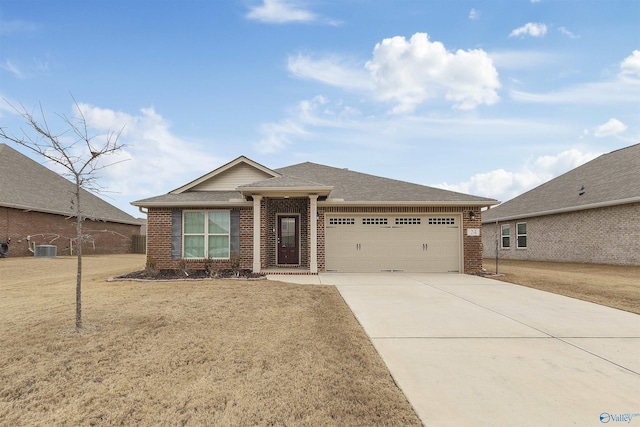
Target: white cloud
(13,69)
(474,14)
(280,12)
(333,71)
(624,88)
(504,185)
(17,27)
(532,29)
(408,72)
(630,66)
(521,59)
(610,128)
(568,33)
(276,136)
(154,160)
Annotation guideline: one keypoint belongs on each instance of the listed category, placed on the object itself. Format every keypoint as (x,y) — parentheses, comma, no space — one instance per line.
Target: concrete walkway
(472,351)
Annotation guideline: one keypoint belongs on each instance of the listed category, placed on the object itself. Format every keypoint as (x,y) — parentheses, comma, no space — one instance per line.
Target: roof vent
(45,251)
(581,191)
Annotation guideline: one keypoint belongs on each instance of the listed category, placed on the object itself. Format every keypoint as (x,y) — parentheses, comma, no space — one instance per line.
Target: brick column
(256,234)
(313,238)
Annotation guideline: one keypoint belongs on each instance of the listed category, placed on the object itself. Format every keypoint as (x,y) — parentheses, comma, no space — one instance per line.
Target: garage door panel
(366,242)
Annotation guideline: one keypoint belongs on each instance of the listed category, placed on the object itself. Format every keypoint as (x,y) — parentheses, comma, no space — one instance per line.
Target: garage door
(371,243)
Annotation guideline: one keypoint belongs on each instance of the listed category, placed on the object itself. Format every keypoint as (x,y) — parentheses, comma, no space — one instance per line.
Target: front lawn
(183,353)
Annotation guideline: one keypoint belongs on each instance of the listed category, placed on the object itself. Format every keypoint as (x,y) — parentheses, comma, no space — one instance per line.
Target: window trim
(518,235)
(507,235)
(206,233)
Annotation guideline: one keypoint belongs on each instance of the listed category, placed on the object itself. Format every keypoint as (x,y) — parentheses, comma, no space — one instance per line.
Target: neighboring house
(590,214)
(36,209)
(308,218)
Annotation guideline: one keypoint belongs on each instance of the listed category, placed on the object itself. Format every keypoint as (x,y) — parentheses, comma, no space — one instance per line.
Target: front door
(288,237)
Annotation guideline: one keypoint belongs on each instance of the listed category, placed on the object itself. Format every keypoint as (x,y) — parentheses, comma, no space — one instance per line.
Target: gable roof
(223,172)
(337,185)
(350,186)
(27,185)
(608,180)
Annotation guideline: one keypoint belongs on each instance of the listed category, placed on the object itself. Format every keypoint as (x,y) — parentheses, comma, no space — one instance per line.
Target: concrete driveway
(470,351)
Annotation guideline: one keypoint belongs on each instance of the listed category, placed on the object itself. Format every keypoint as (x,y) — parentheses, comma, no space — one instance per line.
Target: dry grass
(613,286)
(183,353)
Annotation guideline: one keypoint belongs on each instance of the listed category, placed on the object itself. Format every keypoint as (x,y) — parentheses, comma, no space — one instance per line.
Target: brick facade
(159,241)
(609,235)
(159,232)
(49,229)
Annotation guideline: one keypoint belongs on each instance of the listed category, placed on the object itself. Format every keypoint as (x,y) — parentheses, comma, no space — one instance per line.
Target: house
(590,214)
(36,209)
(308,218)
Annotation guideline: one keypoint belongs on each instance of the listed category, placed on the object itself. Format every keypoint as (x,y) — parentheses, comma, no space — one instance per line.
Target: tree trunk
(79,254)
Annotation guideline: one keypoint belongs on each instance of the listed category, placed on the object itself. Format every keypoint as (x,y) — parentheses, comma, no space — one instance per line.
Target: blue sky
(490,98)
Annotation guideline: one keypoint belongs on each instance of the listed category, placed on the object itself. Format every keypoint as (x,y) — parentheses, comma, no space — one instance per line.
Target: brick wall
(159,232)
(159,241)
(50,229)
(293,205)
(608,235)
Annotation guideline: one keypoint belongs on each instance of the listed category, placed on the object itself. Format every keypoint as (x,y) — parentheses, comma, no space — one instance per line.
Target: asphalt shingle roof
(26,184)
(609,179)
(348,186)
(356,186)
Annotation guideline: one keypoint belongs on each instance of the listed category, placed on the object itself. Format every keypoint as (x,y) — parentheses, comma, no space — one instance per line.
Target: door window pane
(288,232)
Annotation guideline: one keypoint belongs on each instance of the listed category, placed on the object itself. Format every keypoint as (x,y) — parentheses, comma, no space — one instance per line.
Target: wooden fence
(139,244)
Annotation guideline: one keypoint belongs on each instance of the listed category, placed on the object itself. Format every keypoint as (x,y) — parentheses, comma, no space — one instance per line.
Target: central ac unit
(46,251)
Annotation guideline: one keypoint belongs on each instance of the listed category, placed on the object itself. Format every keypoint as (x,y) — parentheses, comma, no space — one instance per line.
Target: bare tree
(78,153)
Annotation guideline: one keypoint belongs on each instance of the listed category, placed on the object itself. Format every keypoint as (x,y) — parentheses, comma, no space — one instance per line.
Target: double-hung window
(206,234)
(521,230)
(506,236)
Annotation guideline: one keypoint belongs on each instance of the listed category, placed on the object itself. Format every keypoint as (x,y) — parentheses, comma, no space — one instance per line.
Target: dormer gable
(230,176)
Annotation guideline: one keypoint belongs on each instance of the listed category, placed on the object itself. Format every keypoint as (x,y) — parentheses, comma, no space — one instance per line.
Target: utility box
(45,251)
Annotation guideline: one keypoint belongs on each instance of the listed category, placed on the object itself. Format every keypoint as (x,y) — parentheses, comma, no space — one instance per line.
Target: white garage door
(378,242)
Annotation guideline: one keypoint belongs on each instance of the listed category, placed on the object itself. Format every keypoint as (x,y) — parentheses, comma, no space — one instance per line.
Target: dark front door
(288,237)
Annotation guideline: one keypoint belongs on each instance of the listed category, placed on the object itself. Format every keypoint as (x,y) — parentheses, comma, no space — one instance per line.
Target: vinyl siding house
(308,218)
(590,214)
(35,209)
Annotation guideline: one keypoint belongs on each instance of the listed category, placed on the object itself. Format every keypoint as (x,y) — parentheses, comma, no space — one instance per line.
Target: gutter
(565,210)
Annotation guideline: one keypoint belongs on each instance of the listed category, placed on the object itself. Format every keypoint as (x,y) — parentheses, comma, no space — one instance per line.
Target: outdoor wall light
(472,215)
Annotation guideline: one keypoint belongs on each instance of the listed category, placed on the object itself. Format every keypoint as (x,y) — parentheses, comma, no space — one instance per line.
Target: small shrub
(183,267)
(151,267)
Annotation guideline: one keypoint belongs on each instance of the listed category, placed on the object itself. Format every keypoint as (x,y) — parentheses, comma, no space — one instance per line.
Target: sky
(490,98)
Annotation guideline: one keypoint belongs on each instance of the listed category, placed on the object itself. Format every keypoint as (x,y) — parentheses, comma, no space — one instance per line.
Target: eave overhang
(458,203)
(26,208)
(563,210)
(319,191)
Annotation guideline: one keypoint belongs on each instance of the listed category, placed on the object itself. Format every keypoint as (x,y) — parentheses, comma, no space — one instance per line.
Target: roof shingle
(612,178)
(26,184)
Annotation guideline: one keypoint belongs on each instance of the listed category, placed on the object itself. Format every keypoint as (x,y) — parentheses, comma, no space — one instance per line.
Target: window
(521,230)
(506,236)
(374,221)
(407,221)
(442,221)
(342,221)
(206,234)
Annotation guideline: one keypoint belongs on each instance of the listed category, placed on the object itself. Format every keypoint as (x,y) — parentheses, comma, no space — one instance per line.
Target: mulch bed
(148,274)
